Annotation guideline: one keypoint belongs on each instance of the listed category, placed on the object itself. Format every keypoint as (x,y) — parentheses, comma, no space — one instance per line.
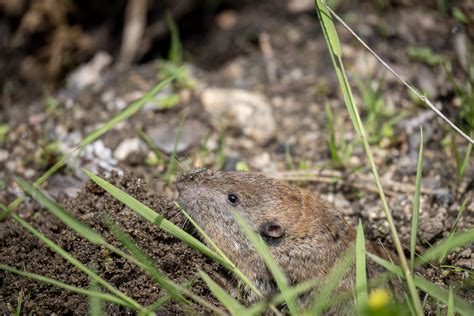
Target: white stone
(127,147)
(250,112)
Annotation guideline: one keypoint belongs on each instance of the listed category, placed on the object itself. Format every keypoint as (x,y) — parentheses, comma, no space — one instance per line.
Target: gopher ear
(272,230)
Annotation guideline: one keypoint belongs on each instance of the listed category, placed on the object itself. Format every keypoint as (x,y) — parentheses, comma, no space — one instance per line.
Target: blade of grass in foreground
(332,41)
(19,303)
(361,274)
(272,265)
(95,303)
(133,108)
(146,263)
(231,304)
(450,303)
(416,204)
(91,293)
(154,217)
(164,299)
(323,298)
(457,240)
(462,168)
(232,266)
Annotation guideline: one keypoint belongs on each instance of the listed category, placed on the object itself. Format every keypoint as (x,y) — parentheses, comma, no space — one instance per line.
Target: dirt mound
(92,206)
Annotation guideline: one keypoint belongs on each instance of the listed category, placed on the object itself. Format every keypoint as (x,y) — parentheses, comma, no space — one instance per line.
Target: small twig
(135,22)
(358,181)
(268,57)
(421,97)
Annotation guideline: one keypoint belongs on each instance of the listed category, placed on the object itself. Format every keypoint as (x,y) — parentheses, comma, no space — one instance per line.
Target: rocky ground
(252,94)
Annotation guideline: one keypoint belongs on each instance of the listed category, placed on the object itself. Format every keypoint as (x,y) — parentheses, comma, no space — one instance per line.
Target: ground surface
(296,79)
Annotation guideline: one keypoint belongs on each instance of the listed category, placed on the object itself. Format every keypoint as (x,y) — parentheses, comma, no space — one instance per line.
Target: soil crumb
(95,207)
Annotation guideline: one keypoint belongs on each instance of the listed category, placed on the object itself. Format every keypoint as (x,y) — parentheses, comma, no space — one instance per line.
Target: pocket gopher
(305,234)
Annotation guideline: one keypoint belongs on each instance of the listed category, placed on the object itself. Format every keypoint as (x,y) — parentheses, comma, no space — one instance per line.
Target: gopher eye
(233,199)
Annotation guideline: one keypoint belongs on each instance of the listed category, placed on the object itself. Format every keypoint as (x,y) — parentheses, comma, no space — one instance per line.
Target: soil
(95,207)
(46,117)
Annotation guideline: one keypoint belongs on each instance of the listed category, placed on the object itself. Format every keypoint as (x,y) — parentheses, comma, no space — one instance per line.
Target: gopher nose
(190,177)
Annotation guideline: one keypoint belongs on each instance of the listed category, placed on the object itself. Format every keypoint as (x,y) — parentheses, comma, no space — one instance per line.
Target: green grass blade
(389,266)
(323,298)
(128,111)
(231,304)
(465,162)
(146,263)
(459,305)
(154,217)
(453,229)
(19,303)
(361,274)
(332,41)
(172,163)
(231,265)
(95,303)
(129,301)
(82,229)
(90,293)
(272,265)
(157,304)
(329,29)
(335,53)
(416,203)
(121,116)
(450,303)
(175,53)
(457,240)
(166,298)
(332,143)
(203,234)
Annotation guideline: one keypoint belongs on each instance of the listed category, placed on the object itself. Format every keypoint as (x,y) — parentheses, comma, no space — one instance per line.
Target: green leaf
(234,307)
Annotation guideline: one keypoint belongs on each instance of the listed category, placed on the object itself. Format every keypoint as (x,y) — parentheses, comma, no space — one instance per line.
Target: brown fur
(315,234)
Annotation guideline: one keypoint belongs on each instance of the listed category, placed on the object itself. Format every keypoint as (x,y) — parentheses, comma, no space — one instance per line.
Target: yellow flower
(378,299)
